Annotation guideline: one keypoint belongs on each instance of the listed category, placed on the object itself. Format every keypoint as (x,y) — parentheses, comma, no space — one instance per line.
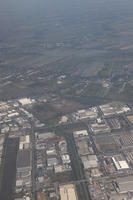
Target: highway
(78,171)
(9,170)
(33,162)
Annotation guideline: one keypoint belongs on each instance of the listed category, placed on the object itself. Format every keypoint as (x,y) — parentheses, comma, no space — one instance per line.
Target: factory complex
(87,154)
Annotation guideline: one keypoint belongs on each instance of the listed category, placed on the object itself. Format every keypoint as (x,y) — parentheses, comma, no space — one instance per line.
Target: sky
(15,13)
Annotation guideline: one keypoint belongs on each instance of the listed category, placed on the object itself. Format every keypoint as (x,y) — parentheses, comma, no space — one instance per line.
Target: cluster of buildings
(13,119)
(93,113)
(86,153)
(43,164)
(114,109)
(100,126)
(68,192)
(24,166)
(90,113)
(52,161)
(51,166)
(15,122)
(105,149)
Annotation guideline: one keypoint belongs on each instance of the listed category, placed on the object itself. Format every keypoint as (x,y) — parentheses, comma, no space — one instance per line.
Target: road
(9,171)
(78,171)
(33,162)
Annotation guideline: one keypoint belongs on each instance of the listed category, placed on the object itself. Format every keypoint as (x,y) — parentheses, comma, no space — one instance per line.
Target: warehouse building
(24,142)
(98,128)
(82,147)
(114,124)
(125,184)
(81,133)
(44,136)
(113,109)
(89,161)
(68,192)
(120,163)
(26,101)
(51,151)
(63,147)
(52,162)
(90,113)
(23,176)
(62,168)
(130,118)
(65,159)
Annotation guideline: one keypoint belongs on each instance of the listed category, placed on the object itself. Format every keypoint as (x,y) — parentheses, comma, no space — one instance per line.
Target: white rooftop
(80,133)
(26,101)
(68,192)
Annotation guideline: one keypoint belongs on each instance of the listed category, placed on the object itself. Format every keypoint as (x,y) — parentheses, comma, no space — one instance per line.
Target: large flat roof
(47,135)
(83,148)
(130,118)
(68,192)
(24,158)
(125,184)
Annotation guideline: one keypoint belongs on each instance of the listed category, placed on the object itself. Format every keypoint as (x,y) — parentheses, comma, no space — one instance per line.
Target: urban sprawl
(88,154)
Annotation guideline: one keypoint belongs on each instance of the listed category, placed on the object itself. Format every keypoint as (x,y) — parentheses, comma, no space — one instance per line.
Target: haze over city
(66,100)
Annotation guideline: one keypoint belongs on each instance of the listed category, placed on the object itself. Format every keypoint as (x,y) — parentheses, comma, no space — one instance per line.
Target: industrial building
(106,143)
(52,162)
(41,196)
(26,101)
(120,163)
(126,139)
(89,161)
(3,106)
(90,113)
(95,172)
(62,168)
(68,192)
(98,128)
(80,134)
(65,159)
(24,142)
(52,158)
(114,109)
(23,198)
(63,120)
(24,159)
(44,136)
(13,114)
(62,147)
(125,184)
(51,151)
(129,157)
(130,118)
(82,147)
(114,123)
(23,176)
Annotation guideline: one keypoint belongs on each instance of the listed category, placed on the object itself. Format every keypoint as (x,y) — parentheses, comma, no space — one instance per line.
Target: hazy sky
(33,7)
(20,12)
